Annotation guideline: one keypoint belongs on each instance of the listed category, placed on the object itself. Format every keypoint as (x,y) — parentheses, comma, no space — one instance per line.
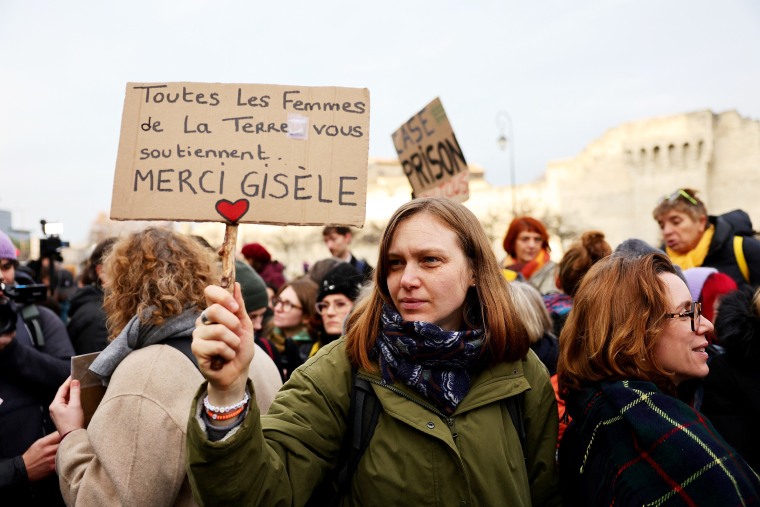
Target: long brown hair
(306,291)
(488,304)
(617,317)
(155,267)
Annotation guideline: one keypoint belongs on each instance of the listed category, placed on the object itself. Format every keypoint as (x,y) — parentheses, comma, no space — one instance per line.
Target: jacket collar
(491,385)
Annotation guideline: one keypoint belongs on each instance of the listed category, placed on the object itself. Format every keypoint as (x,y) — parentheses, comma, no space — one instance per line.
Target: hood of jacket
(738,327)
(84,295)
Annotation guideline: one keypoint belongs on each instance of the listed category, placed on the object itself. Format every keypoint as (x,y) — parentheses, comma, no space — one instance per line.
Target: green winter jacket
(417,456)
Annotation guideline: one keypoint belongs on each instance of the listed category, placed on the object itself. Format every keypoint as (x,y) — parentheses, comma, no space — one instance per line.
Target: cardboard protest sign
(92,389)
(242,153)
(430,155)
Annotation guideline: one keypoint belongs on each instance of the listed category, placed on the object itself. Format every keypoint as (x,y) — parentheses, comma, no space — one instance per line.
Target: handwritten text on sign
(430,154)
(242,153)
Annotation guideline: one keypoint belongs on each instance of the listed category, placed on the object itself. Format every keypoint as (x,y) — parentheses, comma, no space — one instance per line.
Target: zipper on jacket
(449,420)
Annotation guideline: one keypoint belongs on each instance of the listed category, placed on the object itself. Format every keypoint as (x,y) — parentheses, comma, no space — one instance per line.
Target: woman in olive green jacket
(443,349)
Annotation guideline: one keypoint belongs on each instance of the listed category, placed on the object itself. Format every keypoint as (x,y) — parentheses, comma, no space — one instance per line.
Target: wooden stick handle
(228,257)
(228,273)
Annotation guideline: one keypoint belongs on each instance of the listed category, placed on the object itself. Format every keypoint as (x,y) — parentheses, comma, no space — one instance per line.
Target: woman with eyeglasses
(633,336)
(294,310)
(693,238)
(339,290)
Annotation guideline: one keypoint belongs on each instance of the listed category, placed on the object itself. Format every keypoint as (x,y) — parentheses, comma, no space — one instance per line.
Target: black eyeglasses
(678,194)
(341,306)
(286,305)
(695,314)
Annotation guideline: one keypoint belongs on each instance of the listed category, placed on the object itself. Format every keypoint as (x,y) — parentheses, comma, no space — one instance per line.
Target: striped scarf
(630,444)
(528,269)
(433,362)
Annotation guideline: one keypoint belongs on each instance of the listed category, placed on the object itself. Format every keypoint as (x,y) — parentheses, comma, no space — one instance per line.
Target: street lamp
(504,122)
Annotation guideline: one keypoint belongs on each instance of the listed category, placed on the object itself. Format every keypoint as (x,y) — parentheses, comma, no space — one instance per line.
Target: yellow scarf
(696,256)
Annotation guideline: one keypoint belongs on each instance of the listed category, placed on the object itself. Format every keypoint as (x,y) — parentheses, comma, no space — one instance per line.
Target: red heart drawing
(232,211)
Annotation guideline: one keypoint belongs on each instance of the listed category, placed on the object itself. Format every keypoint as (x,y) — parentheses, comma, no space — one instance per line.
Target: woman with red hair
(527,247)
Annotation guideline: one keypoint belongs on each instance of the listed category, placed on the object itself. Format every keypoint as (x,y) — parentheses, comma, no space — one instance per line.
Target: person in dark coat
(29,375)
(693,238)
(338,241)
(87,322)
(732,388)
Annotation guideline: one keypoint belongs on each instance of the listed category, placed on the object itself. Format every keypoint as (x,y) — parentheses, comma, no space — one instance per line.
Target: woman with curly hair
(133,451)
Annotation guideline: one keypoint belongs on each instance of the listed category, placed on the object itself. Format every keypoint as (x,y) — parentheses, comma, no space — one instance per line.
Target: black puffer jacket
(87,320)
(732,388)
(720,254)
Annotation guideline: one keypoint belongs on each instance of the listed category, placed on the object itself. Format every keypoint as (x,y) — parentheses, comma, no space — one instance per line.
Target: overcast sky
(564,71)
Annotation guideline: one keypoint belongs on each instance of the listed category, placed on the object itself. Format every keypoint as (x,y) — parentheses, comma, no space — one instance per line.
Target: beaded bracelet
(223,417)
(223,410)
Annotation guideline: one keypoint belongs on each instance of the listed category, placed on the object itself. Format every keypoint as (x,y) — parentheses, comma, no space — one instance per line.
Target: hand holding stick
(228,274)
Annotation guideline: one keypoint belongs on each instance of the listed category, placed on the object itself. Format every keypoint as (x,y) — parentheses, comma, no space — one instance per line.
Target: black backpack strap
(515,408)
(33,321)
(363,415)
(183,344)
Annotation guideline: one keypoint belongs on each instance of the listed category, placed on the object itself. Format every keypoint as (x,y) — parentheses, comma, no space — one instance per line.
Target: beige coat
(133,451)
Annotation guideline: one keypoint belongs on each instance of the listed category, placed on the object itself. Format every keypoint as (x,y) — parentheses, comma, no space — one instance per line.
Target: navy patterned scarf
(433,362)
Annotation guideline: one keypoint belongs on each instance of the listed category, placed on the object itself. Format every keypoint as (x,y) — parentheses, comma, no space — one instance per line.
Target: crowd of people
(441,376)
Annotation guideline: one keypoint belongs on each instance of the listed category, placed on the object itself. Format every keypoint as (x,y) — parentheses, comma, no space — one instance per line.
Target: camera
(51,245)
(21,294)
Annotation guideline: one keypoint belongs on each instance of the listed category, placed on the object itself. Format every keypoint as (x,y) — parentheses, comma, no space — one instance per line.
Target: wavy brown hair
(579,258)
(617,317)
(487,305)
(155,267)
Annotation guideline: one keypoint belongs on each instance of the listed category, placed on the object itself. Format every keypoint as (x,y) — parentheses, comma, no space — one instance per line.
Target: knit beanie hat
(716,286)
(695,280)
(256,252)
(252,286)
(634,247)
(320,268)
(342,279)
(7,250)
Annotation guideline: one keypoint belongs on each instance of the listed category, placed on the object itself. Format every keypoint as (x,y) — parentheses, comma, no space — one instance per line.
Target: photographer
(31,368)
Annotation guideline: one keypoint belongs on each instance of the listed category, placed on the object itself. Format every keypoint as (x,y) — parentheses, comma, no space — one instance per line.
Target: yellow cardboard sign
(242,153)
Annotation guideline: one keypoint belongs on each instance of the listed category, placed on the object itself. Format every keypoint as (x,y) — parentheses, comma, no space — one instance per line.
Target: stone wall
(614,184)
